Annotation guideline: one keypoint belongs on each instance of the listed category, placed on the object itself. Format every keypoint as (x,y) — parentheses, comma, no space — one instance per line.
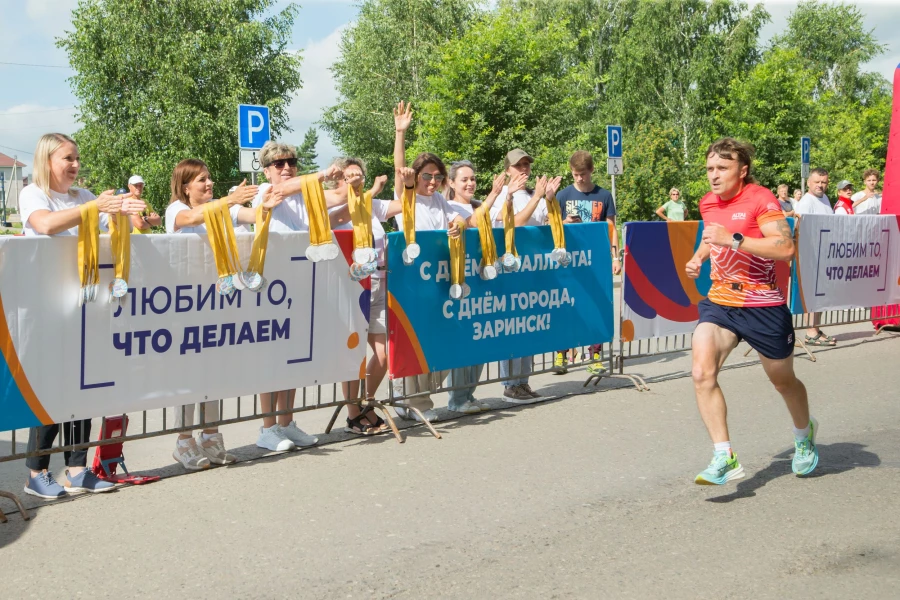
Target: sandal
(379,426)
(356,425)
(820,339)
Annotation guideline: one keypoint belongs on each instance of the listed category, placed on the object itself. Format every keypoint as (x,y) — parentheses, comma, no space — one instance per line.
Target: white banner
(847,261)
(173,340)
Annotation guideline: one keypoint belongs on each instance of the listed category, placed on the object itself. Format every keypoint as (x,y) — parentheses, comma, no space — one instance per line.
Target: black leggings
(42,438)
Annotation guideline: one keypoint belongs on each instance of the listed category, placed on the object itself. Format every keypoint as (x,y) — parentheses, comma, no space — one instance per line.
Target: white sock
(800,434)
(723,447)
(207,436)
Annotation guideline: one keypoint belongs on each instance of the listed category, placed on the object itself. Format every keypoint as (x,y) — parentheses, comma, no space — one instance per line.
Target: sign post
(253,133)
(614,154)
(805,143)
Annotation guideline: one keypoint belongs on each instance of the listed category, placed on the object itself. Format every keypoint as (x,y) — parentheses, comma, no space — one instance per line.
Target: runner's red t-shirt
(745,213)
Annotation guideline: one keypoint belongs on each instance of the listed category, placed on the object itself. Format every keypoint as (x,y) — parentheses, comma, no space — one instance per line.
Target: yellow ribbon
(120,245)
(458,264)
(361,216)
(554,215)
(89,251)
(260,241)
(488,245)
(509,229)
(321,242)
(408,204)
(220,231)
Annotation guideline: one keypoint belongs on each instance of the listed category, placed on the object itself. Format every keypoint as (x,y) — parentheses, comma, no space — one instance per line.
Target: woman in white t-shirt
(51,206)
(279,161)
(192,187)
(427,176)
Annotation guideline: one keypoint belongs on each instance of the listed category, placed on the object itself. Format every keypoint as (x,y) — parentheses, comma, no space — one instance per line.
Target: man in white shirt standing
(868,201)
(815,202)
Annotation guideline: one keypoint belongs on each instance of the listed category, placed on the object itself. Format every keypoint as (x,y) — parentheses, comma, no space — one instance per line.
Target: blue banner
(542,307)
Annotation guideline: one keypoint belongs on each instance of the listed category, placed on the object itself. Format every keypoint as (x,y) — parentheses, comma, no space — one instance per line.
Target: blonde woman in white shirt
(427,176)
(52,206)
(192,187)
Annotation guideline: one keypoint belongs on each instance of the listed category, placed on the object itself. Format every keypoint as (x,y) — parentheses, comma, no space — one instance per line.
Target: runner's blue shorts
(768,329)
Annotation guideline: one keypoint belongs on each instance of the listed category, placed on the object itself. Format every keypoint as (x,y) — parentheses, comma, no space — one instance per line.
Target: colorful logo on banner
(846,262)
(173,340)
(542,307)
(659,298)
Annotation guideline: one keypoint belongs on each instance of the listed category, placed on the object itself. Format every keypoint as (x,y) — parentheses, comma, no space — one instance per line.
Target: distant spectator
(786,206)
(674,209)
(144,221)
(798,193)
(868,201)
(844,205)
(815,202)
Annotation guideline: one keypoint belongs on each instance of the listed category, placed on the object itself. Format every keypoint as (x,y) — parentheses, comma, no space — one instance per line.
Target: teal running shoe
(806,453)
(721,469)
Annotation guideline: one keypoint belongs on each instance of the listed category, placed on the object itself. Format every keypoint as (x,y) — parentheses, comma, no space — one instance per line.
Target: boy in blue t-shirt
(586,202)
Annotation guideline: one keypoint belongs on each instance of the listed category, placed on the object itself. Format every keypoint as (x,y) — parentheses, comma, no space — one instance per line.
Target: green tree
(653,165)
(158,82)
(306,153)
(387,55)
(508,82)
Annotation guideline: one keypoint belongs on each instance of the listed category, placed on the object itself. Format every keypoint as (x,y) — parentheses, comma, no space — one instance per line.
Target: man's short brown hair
(731,149)
(869,172)
(581,161)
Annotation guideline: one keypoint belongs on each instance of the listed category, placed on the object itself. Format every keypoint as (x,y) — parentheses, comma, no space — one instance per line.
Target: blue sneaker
(721,469)
(87,482)
(806,453)
(44,486)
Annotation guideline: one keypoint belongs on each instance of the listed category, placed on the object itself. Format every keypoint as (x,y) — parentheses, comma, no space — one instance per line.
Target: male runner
(744,233)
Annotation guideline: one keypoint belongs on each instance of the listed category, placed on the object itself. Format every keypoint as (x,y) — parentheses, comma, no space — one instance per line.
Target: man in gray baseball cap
(144,221)
(844,204)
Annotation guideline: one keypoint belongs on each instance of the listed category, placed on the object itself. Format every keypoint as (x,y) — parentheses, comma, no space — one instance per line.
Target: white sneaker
(298,436)
(468,408)
(214,449)
(189,456)
(514,394)
(273,438)
(483,406)
(429,414)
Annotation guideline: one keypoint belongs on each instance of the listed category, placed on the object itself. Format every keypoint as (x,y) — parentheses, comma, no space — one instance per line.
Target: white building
(13,181)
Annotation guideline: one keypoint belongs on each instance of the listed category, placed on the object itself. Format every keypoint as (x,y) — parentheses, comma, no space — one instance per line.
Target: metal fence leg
(22,511)
(802,344)
(425,421)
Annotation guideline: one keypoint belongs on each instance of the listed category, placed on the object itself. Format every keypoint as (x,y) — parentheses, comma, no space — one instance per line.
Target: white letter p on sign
(255,123)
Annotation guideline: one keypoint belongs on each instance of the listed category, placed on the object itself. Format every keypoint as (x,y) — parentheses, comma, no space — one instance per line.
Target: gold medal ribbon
(220,232)
(486,237)
(509,229)
(554,215)
(322,246)
(458,263)
(361,216)
(408,204)
(260,241)
(89,250)
(120,244)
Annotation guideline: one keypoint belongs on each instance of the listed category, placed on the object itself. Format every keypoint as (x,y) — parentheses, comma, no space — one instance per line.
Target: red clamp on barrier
(109,457)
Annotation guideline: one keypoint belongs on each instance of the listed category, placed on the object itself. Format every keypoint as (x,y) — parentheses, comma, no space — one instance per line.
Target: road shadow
(833,459)
(16,526)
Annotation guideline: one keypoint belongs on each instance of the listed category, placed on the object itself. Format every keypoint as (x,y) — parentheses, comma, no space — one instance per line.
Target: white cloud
(318,91)
(54,15)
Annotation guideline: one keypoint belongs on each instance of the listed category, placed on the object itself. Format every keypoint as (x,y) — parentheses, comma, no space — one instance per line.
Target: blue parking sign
(614,141)
(805,143)
(253,126)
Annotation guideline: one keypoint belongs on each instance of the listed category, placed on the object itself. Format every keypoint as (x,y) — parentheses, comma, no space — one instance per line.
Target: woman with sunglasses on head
(427,177)
(279,161)
(192,188)
(52,206)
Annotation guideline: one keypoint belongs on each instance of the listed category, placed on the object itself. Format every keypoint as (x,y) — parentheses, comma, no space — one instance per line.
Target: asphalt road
(587,496)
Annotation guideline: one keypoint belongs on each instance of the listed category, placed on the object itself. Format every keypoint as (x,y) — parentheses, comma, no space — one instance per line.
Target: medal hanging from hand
(458,286)
(408,205)
(321,244)
(220,231)
(554,215)
(510,261)
(363,251)
(120,246)
(89,252)
(253,278)
(489,263)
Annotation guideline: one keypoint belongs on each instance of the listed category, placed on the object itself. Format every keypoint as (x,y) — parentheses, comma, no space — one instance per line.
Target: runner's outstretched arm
(777,243)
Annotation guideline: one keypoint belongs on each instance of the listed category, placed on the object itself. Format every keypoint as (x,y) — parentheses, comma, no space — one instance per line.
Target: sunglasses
(279,164)
(428,177)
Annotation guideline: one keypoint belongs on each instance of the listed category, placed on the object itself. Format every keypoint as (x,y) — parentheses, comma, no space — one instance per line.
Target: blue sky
(35,100)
